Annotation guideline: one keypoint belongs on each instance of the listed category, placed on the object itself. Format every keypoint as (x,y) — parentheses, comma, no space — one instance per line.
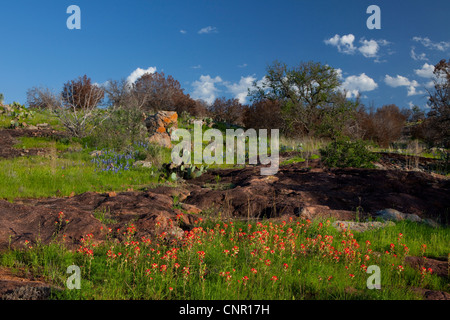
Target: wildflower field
(284,260)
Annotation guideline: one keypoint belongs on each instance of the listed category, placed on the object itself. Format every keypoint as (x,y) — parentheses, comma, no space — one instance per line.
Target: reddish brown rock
(17,287)
(324,193)
(439,267)
(432,294)
(88,213)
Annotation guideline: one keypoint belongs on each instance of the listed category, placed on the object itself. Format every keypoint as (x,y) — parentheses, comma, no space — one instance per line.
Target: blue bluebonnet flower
(109,160)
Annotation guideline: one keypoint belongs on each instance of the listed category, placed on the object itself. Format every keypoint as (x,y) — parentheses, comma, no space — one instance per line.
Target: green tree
(308,93)
(439,102)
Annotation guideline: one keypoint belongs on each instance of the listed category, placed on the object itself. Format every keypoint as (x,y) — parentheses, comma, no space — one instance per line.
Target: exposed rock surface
(361,226)
(22,287)
(89,213)
(160,125)
(241,193)
(439,267)
(315,192)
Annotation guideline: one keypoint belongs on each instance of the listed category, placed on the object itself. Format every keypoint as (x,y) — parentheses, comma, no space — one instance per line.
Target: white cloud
(400,81)
(344,44)
(356,84)
(427,43)
(426,71)
(369,48)
(196,67)
(412,89)
(208,29)
(102,84)
(183,31)
(240,89)
(205,88)
(339,72)
(418,57)
(136,74)
(242,65)
(429,84)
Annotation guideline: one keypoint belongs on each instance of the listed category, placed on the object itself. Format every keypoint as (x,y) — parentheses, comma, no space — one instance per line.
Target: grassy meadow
(289,260)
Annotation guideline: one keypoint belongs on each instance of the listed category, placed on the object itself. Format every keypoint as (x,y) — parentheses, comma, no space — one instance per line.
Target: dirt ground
(9,137)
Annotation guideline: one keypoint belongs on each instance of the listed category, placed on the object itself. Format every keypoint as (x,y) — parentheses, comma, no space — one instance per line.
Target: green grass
(415,234)
(293,160)
(407,153)
(235,260)
(46,143)
(36,177)
(40,116)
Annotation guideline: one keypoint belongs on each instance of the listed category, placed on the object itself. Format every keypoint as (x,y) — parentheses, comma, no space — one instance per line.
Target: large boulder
(361,226)
(160,125)
(394,215)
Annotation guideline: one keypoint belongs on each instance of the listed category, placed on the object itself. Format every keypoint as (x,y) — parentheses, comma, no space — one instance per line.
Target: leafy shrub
(123,127)
(344,153)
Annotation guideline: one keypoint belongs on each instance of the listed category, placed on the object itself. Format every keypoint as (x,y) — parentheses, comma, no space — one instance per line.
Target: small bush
(344,153)
(123,127)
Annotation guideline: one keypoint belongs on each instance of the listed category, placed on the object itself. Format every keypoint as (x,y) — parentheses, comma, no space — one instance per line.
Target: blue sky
(217,48)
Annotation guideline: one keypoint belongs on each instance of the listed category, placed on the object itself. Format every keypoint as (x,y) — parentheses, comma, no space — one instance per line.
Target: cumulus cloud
(418,57)
(368,48)
(196,67)
(102,84)
(400,81)
(339,72)
(426,71)
(205,88)
(354,85)
(429,84)
(136,74)
(208,29)
(183,31)
(240,89)
(344,44)
(412,89)
(427,43)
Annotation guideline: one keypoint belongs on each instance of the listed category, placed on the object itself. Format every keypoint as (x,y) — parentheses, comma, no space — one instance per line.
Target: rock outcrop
(160,125)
